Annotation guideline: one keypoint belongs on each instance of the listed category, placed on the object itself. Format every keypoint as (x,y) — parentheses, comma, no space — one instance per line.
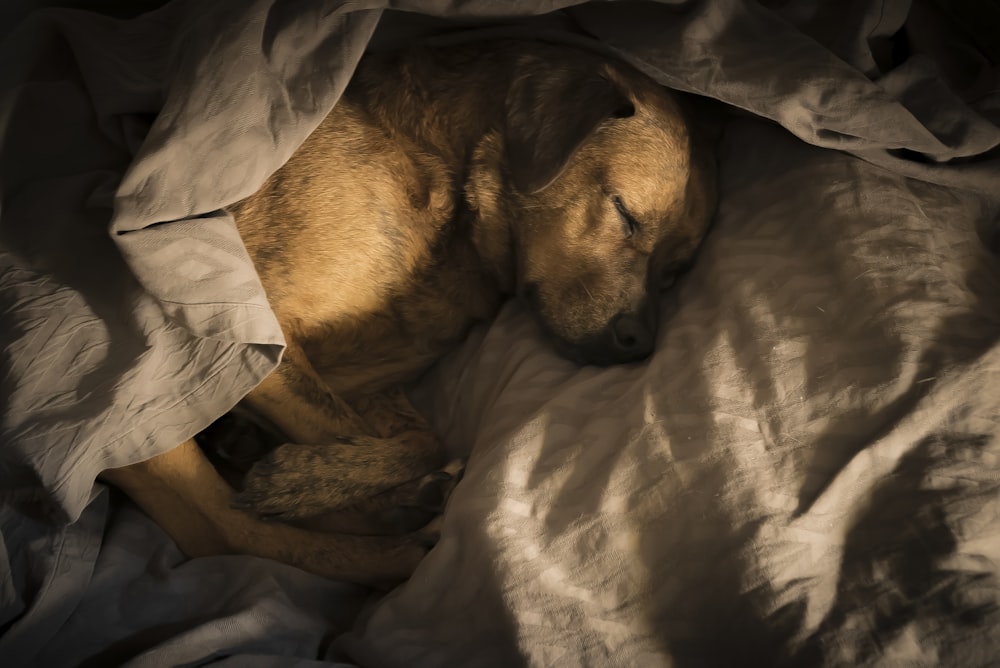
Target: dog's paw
(409,507)
(285,485)
(434,489)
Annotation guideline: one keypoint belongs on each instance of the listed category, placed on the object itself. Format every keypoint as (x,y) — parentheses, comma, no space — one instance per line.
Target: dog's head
(607,202)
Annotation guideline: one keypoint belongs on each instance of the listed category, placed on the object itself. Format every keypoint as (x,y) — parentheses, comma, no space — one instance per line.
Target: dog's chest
(416,325)
(411,323)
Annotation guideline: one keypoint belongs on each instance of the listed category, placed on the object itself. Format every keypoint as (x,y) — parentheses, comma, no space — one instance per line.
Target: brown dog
(444,181)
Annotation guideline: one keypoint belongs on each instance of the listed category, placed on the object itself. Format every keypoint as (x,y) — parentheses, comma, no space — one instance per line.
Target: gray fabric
(805,473)
(112,589)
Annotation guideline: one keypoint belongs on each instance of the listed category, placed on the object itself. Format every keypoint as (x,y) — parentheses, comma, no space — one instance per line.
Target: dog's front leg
(185,495)
(301,480)
(297,401)
(336,459)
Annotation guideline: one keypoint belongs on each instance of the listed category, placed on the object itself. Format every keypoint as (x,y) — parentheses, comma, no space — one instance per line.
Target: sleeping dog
(443,182)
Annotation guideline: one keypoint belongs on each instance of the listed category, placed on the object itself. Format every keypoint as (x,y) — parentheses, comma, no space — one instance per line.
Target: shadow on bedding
(861,391)
(917,579)
(905,568)
(936,322)
(708,603)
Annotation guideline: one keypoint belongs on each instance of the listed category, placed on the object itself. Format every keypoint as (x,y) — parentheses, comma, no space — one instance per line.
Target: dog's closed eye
(628,220)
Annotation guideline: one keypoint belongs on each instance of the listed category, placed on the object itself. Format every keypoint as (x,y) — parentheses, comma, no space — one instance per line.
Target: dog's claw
(417,503)
(436,488)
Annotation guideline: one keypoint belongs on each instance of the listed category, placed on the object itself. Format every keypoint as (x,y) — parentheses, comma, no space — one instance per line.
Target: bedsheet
(804,474)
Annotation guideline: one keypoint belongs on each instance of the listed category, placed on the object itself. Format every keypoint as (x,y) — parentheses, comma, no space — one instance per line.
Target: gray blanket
(804,474)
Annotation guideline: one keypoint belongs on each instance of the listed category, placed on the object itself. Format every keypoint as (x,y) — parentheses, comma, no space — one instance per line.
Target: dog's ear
(550,112)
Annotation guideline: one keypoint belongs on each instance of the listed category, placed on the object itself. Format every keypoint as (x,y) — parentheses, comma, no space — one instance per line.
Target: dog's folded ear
(550,112)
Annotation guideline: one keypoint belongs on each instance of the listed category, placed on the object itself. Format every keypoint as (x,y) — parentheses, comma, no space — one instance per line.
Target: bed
(806,473)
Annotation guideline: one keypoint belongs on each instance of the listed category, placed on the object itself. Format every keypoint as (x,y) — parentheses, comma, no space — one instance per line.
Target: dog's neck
(490,229)
(460,122)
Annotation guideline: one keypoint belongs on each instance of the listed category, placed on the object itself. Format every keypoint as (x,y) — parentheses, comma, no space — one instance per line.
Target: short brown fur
(442,183)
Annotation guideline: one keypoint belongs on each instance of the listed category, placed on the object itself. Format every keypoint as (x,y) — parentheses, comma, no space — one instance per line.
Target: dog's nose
(633,339)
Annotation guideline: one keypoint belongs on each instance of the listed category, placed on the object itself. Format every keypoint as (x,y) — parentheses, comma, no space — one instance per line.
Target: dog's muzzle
(629,337)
